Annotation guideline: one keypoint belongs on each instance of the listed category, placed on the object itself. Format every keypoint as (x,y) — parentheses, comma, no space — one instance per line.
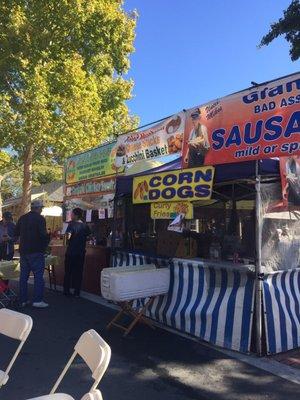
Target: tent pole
(258,280)
(114,225)
(113,236)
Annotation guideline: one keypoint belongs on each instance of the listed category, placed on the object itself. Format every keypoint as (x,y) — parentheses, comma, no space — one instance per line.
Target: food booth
(212,264)
(90,184)
(235,276)
(238,285)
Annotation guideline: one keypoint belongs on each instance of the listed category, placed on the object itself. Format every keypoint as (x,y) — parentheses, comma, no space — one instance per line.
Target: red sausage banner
(260,122)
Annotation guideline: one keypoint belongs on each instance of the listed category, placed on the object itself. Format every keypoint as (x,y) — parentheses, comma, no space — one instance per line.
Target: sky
(189,52)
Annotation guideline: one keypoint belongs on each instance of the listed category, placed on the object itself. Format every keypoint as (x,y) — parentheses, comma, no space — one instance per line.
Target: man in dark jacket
(31,229)
(77,234)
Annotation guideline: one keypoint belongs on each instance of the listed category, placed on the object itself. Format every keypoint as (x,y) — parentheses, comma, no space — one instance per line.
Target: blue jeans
(34,263)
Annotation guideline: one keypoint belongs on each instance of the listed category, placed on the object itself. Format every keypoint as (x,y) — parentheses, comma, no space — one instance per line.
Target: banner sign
(91,164)
(101,201)
(290,180)
(95,186)
(257,123)
(190,184)
(171,210)
(159,140)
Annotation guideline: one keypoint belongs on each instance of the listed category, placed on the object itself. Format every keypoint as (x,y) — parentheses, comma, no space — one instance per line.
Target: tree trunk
(27,180)
(1,202)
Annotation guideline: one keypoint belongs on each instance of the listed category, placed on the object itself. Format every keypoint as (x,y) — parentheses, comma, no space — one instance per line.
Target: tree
(62,86)
(43,171)
(46,171)
(8,165)
(289,26)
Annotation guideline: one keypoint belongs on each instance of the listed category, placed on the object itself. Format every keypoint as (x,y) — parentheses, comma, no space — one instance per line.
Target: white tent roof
(16,201)
(54,211)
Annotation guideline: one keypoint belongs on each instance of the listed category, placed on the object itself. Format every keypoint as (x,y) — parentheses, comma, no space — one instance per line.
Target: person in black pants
(33,237)
(77,234)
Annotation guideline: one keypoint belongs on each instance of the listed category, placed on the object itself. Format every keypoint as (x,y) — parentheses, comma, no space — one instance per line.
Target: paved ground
(291,358)
(149,365)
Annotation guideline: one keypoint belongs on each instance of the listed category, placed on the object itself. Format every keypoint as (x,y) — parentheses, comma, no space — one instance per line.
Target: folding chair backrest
(95,352)
(94,395)
(14,324)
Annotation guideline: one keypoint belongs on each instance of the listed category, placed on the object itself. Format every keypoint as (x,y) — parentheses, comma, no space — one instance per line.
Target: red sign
(257,123)
(290,180)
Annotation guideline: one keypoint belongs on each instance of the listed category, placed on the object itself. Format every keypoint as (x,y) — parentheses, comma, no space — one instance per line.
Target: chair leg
(115,319)
(50,277)
(54,276)
(60,378)
(126,309)
(139,317)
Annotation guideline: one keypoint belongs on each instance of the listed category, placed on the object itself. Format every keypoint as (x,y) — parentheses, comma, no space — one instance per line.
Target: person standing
(7,234)
(32,233)
(77,234)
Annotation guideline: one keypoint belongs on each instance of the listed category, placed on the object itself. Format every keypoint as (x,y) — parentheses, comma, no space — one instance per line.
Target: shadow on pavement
(148,365)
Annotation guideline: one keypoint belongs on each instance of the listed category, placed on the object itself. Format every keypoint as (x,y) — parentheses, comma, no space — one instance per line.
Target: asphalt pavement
(147,365)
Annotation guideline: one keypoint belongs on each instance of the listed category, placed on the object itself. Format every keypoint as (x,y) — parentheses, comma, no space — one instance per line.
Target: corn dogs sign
(183,185)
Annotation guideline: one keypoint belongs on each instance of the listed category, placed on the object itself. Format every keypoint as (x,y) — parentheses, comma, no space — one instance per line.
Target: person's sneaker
(40,304)
(25,304)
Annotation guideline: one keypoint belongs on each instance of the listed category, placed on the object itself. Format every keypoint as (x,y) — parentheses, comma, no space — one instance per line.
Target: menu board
(94,186)
(94,163)
(158,141)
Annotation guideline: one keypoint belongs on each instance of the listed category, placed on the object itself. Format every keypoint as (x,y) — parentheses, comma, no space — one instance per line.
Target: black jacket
(31,229)
(79,233)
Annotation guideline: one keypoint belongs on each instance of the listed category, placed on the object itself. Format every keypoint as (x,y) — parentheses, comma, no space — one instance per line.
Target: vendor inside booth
(97,213)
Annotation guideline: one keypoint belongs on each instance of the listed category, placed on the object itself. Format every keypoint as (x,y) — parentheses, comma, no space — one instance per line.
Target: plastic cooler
(130,283)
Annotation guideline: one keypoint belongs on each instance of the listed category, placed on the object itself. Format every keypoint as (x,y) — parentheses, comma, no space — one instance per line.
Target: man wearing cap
(7,234)
(198,141)
(32,233)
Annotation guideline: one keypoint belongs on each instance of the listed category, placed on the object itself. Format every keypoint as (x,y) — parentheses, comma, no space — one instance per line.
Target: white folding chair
(96,353)
(16,326)
(94,395)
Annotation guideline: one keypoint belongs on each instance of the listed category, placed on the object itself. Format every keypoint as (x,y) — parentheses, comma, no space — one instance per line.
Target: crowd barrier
(281,305)
(213,304)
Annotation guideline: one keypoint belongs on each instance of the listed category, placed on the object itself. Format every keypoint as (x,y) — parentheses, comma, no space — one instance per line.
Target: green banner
(94,163)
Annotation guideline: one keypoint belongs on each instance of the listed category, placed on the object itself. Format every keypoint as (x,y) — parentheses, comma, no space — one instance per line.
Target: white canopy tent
(54,211)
